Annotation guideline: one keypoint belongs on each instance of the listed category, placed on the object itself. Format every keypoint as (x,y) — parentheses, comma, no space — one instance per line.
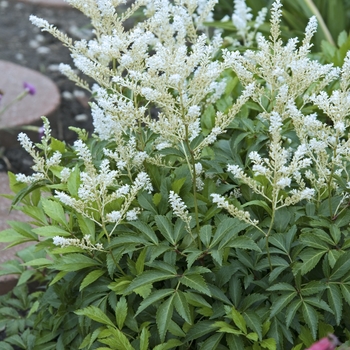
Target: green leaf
(242,242)
(153,298)
(335,233)
(39,262)
(282,286)
(121,312)
(148,277)
(234,342)
(196,282)
(345,290)
(144,339)
(281,302)
(86,225)
(239,320)
(95,314)
(269,344)
(145,229)
(313,287)
(261,204)
(115,339)
(310,258)
(23,229)
(181,306)
(226,328)
(311,318)
(177,184)
(55,211)
(291,311)
(74,262)
(228,228)
(90,278)
(163,316)
(166,228)
(170,344)
(73,182)
(51,231)
(205,234)
(335,301)
(341,267)
(212,342)
(254,322)
(199,329)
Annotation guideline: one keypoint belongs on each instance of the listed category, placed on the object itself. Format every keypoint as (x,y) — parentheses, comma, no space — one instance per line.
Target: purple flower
(30,88)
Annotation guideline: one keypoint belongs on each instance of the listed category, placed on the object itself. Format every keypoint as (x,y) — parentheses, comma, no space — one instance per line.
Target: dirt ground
(24,44)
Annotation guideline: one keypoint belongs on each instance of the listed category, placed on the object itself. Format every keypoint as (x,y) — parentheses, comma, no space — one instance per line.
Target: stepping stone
(53,3)
(29,110)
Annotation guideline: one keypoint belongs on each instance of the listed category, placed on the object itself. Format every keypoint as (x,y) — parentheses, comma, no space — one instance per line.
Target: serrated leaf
(253,322)
(313,242)
(310,258)
(90,278)
(121,312)
(242,242)
(228,228)
(205,234)
(95,314)
(319,303)
(212,342)
(224,327)
(313,287)
(55,211)
(311,318)
(163,316)
(282,286)
(238,320)
(198,330)
(86,225)
(148,277)
(153,298)
(39,262)
(170,344)
(146,230)
(144,339)
(269,344)
(335,301)
(51,231)
(345,290)
(115,339)
(281,302)
(181,306)
(74,262)
(165,227)
(195,282)
(341,267)
(291,311)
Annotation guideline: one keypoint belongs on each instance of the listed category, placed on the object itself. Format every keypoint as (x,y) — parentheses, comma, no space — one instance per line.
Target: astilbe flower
(165,64)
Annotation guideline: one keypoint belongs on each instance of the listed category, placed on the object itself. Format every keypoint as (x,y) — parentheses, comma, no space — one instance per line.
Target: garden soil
(24,44)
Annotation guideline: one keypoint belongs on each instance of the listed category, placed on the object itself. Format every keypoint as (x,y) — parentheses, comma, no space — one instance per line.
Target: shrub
(210,210)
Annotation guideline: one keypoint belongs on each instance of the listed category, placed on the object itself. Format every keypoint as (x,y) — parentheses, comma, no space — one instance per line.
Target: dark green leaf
(153,298)
(90,278)
(281,302)
(311,318)
(335,300)
(195,282)
(164,315)
(95,314)
(181,306)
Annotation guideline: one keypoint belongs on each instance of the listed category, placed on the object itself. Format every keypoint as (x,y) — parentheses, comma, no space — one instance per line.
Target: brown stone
(53,3)
(29,110)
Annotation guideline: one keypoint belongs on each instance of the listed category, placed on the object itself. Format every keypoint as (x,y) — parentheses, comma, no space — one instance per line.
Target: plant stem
(320,20)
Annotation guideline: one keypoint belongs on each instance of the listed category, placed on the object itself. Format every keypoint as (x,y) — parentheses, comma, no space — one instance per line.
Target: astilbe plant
(210,208)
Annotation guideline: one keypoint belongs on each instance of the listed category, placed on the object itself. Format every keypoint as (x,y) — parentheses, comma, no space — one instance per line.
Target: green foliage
(252,268)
